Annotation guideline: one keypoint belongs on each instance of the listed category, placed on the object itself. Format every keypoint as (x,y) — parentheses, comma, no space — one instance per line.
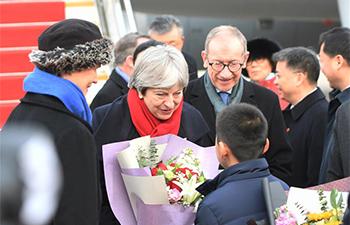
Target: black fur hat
(71,45)
(262,48)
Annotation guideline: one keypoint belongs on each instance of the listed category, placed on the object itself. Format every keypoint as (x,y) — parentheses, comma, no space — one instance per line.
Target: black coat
(192,65)
(80,196)
(279,155)
(114,87)
(306,125)
(339,158)
(112,123)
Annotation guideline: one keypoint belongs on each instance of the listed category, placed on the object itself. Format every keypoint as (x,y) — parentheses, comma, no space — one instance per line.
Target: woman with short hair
(153,106)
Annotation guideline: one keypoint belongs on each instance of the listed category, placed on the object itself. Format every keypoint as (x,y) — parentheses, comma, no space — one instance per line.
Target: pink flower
(284,217)
(174,195)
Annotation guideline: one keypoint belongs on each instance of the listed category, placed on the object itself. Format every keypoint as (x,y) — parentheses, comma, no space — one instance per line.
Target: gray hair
(228,31)
(300,59)
(161,66)
(163,24)
(126,46)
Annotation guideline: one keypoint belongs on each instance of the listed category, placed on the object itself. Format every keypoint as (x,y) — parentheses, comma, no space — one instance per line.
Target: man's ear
(339,61)
(267,145)
(301,77)
(129,61)
(245,60)
(223,150)
(205,59)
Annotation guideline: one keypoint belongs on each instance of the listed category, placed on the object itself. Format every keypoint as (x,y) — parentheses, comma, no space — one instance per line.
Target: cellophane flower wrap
(156,187)
(312,207)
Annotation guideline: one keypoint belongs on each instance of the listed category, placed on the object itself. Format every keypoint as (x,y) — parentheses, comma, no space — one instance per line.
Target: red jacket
(269,84)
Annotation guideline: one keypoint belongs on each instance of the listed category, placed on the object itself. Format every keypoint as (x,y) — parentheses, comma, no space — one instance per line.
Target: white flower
(189,193)
(187,159)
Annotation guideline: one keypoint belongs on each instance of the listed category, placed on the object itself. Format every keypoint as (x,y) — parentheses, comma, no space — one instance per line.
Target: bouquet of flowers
(327,216)
(153,181)
(182,178)
(302,208)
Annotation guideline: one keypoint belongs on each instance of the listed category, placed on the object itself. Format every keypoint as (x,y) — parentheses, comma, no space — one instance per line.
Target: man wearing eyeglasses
(222,84)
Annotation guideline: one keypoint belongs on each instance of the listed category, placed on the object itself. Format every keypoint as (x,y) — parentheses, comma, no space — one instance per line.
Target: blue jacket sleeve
(205,216)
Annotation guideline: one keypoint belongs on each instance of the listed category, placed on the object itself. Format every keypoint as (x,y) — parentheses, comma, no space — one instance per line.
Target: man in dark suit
(117,84)
(169,30)
(339,158)
(224,57)
(335,65)
(297,72)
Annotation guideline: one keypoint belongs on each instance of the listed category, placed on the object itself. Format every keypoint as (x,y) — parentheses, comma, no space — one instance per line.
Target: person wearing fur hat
(69,52)
(260,66)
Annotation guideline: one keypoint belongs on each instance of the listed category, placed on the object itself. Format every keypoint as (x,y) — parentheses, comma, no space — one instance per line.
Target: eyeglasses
(219,66)
(259,61)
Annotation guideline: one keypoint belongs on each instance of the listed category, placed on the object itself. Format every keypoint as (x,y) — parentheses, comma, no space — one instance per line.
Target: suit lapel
(201,102)
(118,80)
(248,93)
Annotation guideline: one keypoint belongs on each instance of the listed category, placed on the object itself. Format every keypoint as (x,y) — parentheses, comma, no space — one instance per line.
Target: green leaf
(324,202)
(189,175)
(333,196)
(340,201)
(201,177)
(160,171)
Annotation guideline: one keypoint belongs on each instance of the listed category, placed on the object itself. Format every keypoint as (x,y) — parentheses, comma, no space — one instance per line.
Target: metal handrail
(116,19)
(130,16)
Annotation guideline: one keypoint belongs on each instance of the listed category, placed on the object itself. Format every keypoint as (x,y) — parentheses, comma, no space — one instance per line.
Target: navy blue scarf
(69,93)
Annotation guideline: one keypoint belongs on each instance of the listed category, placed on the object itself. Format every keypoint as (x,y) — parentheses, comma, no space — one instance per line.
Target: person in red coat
(260,66)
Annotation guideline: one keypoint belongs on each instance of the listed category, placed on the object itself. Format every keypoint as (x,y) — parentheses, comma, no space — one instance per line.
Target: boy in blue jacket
(236,195)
